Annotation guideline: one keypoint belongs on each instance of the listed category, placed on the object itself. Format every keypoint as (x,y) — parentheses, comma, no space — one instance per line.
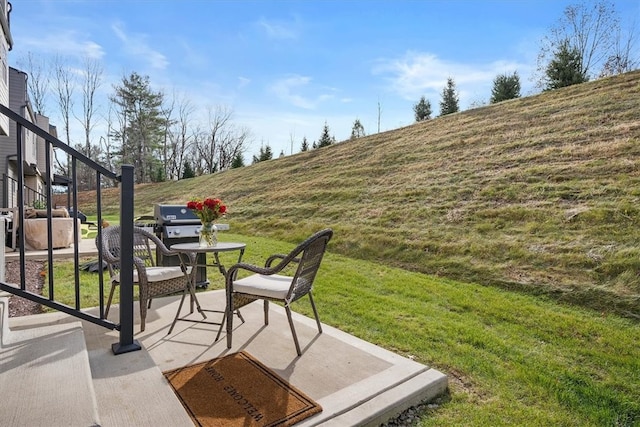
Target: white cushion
(156,274)
(274,286)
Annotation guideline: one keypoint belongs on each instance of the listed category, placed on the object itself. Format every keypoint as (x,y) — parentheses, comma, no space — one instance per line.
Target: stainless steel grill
(177,224)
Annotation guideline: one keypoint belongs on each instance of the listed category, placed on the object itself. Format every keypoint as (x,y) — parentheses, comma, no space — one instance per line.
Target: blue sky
(286,67)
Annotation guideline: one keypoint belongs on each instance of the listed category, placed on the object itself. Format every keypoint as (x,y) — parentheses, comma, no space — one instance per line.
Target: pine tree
(143,125)
(449,102)
(265,154)
(422,110)
(159,177)
(565,69)
(357,130)
(188,171)
(238,161)
(305,144)
(325,139)
(505,87)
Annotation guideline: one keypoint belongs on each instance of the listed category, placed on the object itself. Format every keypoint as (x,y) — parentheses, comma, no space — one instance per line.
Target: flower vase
(208,235)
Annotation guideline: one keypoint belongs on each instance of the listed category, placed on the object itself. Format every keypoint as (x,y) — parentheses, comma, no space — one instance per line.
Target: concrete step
(132,391)
(45,378)
(4,315)
(129,389)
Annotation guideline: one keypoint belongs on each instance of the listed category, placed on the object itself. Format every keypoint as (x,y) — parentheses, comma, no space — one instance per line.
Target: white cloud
(290,89)
(418,73)
(279,30)
(68,43)
(137,46)
(243,81)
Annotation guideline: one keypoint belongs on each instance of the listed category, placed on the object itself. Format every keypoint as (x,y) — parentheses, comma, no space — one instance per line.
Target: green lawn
(511,358)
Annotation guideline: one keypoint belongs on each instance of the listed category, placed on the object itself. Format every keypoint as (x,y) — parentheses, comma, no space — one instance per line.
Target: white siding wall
(5,37)
(43,122)
(4,85)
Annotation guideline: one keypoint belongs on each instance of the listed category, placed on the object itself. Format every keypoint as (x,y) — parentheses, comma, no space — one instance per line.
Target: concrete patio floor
(356,383)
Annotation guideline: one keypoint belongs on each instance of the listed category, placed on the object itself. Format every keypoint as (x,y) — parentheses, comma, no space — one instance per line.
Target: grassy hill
(537,194)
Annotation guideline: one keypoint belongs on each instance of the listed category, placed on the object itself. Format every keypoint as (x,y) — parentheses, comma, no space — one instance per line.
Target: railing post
(126,343)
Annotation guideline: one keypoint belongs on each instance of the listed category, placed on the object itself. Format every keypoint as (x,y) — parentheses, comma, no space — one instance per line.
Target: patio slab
(355,382)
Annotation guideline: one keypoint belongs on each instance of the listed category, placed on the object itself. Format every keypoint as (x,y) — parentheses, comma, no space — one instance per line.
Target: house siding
(41,148)
(19,103)
(5,46)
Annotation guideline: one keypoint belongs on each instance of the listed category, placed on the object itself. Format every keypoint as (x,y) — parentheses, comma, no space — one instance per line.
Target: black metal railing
(125,180)
(31,196)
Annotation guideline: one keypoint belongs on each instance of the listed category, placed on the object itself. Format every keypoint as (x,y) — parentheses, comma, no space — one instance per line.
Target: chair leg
(266,312)
(106,311)
(224,317)
(293,330)
(229,315)
(143,314)
(144,301)
(315,312)
(240,315)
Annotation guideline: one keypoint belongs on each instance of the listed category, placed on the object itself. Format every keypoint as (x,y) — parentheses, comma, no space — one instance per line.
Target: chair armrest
(156,241)
(232,272)
(273,258)
(249,267)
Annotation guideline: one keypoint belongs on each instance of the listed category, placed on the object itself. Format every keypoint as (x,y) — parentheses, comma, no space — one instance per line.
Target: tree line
(587,42)
(155,133)
(158,134)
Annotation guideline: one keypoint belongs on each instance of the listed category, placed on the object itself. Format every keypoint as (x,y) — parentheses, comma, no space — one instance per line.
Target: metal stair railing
(125,181)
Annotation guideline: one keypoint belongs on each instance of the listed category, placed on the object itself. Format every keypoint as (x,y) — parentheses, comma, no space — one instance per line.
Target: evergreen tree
(449,102)
(591,33)
(422,110)
(159,177)
(142,125)
(325,139)
(188,171)
(265,154)
(305,144)
(357,130)
(565,69)
(238,161)
(505,87)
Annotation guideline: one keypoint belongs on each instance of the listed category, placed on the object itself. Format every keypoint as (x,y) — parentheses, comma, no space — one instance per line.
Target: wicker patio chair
(152,281)
(266,284)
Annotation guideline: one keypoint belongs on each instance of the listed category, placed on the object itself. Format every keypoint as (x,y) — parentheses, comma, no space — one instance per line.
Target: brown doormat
(237,390)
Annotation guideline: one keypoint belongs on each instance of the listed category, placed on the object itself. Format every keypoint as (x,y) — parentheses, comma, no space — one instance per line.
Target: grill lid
(174,215)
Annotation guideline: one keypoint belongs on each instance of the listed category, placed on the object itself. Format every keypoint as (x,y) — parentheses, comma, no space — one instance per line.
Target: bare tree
(180,139)
(590,29)
(106,142)
(233,144)
(292,137)
(64,87)
(167,112)
(38,82)
(221,143)
(91,81)
(208,149)
(621,59)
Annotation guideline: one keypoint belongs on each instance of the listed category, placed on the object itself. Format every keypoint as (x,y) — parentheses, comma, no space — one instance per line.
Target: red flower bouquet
(208,210)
